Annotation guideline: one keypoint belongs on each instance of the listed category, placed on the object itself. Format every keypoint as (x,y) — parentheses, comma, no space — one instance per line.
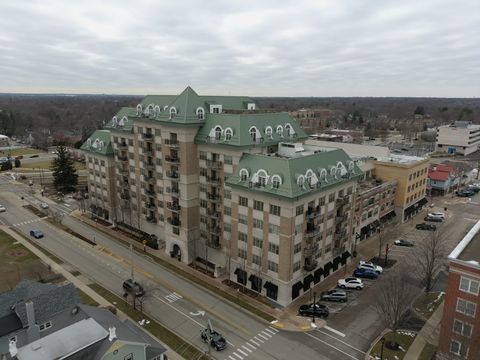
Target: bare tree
(430,256)
(385,233)
(394,297)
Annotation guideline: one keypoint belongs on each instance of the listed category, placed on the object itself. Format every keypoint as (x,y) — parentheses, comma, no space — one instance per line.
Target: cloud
(267,48)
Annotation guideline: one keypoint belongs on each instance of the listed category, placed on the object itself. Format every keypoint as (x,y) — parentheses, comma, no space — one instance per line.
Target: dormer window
(218,133)
(280,130)
(251,106)
(276,181)
(243,174)
(173,112)
(200,113)
(228,134)
(253,134)
(269,131)
(215,109)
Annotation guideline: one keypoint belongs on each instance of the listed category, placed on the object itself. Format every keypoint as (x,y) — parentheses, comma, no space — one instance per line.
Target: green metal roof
(123,120)
(242,124)
(99,143)
(290,170)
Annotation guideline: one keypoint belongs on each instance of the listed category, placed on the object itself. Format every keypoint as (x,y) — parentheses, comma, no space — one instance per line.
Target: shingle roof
(438,175)
(100,142)
(320,168)
(47,299)
(241,125)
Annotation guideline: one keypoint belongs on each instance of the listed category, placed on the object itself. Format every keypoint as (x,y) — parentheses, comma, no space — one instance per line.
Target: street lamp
(314,307)
(382,340)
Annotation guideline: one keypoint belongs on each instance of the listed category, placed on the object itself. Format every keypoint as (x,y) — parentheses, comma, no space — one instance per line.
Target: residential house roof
(438,175)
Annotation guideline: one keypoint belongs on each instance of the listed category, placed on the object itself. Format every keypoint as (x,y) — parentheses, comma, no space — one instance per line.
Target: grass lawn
(428,352)
(426,304)
(45,165)
(405,339)
(177,344)
(21,151)
(87,300)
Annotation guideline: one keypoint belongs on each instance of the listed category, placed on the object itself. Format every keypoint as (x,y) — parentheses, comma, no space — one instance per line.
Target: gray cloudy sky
(257,48)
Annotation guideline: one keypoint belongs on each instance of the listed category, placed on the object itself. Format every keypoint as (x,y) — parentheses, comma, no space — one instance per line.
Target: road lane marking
(262,336)
(333,347)
(173,297)
(470,219)
(241,358)
(242,352)
(246,348)
(180,312)
(343,342)
(259,340)
(231,357)
(253,347)
(266,334)
(269,330)
(334,331)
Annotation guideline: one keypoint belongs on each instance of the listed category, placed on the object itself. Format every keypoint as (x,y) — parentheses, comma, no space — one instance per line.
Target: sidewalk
(79,284)
(428,334)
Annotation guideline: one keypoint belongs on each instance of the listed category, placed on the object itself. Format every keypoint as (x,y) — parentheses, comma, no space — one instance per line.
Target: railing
(149,179)
(125,196)
(172,159)
(150,205)
(172,175)
(151,219)
(214,164)
(310,266)
(147,136)
(173,207)
(123,171)
(213,214)
(123,158)
(213,180)
(150,166)
(314,231)
(122,145)
(214,244)
(148,152)
(150,192)
(171,143)
(310,249)
(213,197)
(173,191)
(174,222)
(342,201)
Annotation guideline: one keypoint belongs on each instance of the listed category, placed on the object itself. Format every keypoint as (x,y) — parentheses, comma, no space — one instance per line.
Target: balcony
(310,265)
(124,184)
(150,205)
(123,171)
(151,219)
(214,229)
(172,159)
(214,243)
(125,196)
(147,136)
(149,179)
(213,214)
(150,192)
(123,158)
(214,164)
(150,166)
(342,201)
(174,222)
(148,152)
(312,213)
(174,207)
(123,146)
(171,143)
(214,197)
(213,180)
(172,175)
(173,191)
(310,249)
(312,231)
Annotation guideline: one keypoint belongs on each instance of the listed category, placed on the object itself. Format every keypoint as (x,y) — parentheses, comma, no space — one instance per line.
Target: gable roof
(438,175)
(241,125)
(291,170)
(100,142)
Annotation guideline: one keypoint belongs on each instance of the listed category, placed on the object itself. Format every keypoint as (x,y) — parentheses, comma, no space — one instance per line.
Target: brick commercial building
(460,331)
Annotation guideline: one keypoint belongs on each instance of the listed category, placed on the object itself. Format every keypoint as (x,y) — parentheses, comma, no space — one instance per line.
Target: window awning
(256,282)
(327,267)
(269,285)
(337,260)
(241,276)
(307,282)
(296,289)
(317,275)
(345,256)
(422,202)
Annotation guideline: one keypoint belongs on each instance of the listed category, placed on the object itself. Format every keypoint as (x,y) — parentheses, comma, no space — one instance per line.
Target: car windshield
(217,337)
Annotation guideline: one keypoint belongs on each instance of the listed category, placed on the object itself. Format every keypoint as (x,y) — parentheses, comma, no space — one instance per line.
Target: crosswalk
(253,344)
(30,221)
(173,297)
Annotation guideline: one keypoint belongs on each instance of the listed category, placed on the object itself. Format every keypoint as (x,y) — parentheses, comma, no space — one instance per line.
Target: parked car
(3,208)
(433,219)
(425,226)
(34,156)
(370,266)
(334,295)
(365,274)
(437,214)
(350,283)
(133,287)
(320,310)
(19,157)
(403,242)
(474,187)
(217,341)
(465,193)
(44,205)
(37,234)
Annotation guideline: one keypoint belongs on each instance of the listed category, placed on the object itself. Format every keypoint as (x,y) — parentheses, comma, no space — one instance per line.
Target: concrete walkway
(79,284)
(428,334)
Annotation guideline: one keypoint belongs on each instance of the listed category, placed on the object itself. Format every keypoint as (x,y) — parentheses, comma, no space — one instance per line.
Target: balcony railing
(150,205)
(150,192)
(213,180)
(124,184)
(309,266)
(214,164)
(310,249)
(123,158)
(123,171)
(172,175)
(149,179)
(171,143)
(151,219)
(342,201)
(174,222)
(312,232)
(213,214)
(147,136)
(172,159)
(173,191)
(123,146)
(148,152)
(125,196)
(214,244)
(150,166)
(214,229)
(173,207)
(213,197)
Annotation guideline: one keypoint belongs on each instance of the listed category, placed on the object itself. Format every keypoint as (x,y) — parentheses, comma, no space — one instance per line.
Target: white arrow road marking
(199,312)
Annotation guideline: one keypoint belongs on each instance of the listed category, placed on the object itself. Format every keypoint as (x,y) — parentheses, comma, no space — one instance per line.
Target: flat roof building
(460,137)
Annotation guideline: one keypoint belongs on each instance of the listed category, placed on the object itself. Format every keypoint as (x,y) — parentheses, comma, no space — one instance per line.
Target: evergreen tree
(65,177)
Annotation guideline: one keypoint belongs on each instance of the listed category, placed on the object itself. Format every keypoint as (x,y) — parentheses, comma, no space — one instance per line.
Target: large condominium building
(460,325)
(461,137)
(224,185)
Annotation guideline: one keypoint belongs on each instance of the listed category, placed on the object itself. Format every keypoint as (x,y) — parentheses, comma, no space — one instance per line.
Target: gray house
(45,321)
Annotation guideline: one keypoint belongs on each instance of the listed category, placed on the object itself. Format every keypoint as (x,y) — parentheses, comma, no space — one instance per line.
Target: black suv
(425,226)
(320,310)
(216,340)
(132,287)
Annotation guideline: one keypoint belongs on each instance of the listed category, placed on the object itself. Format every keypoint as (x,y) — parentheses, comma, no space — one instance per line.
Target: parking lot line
(334,331)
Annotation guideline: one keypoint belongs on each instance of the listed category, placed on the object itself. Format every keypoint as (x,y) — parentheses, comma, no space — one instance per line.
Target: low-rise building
(4,141)
(442,179)
(460,137)
(460,325)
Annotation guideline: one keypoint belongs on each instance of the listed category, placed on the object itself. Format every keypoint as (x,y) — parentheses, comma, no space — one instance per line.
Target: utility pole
(131,269)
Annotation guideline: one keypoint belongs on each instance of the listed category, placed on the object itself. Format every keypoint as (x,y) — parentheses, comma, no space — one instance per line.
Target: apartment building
(460,137)
(460,325)
(411,173)
(374,205)
(181,171)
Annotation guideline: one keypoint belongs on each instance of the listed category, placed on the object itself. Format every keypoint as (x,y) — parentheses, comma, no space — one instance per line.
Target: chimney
(12,348)
(32,329)
(112,335)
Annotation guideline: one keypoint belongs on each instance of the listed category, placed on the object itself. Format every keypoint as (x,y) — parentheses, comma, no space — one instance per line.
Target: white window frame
(459,344)
(228,134)
(45,326)
(173,112)
(200,113)
(468,288)
(466,307)
(463,326)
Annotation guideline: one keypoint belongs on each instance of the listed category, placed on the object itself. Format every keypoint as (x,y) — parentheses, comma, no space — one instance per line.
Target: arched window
(200,113)
(323,175)
(173,112)
(280,130)
(218,133)
(301,181)
(269,131)
(228,134)
(288,127)
(262,178)
(253,133)
(276,181)
(243,174)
